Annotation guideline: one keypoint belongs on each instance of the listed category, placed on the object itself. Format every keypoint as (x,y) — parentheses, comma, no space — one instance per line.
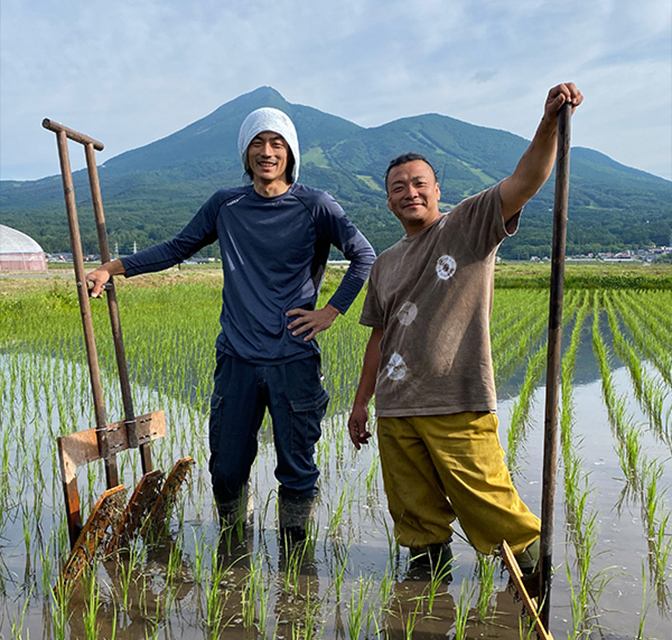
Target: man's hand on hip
(312,321)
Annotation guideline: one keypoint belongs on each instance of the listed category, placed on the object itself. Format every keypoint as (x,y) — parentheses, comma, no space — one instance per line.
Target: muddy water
(621,547)
(377,596)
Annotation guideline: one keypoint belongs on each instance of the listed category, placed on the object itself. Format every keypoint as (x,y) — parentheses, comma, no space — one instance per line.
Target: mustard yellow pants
(438,468)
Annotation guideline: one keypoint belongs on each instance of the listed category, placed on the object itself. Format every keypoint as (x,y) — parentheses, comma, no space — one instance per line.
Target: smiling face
(268,155)
(413,195)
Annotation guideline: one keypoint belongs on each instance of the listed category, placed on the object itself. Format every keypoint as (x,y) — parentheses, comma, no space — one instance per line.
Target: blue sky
(130,72)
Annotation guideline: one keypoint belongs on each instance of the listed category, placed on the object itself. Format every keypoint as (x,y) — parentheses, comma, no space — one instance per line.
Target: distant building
(19,252)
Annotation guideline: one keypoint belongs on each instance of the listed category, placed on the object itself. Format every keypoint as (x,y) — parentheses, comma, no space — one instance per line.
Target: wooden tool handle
(554,356)
(56,127)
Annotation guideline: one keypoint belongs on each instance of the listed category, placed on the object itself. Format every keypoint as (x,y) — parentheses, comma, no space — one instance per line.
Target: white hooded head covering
(268,119)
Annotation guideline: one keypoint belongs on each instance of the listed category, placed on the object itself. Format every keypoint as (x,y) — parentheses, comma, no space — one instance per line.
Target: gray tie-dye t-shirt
(432,294)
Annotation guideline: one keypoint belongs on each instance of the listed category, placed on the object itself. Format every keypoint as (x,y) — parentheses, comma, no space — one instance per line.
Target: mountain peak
(264,92)
(152,191)
(259,97)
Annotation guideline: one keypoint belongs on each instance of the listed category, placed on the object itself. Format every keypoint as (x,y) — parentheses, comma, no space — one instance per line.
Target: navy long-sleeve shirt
(274,252)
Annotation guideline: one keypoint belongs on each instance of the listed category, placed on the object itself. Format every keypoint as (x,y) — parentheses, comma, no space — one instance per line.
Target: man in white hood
(275,235)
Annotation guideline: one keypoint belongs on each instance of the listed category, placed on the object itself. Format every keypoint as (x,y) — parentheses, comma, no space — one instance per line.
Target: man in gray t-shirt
(429,363)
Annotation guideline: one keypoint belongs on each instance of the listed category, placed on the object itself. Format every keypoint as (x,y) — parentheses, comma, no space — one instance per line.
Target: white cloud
(133,71)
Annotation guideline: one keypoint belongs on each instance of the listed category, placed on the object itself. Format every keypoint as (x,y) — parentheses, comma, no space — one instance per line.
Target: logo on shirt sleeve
(230,203)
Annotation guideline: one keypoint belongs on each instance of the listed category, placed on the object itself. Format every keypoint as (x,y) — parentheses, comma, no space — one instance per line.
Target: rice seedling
(144,597)
(62,543)
(339,568)
(486,566)
(410,621)
(215,598)
(264,509)
(520,413)
(125,567)
(174,566)
(198,557)
(526,628)
(26,518)
(661,550)
(46,564)
(656,519)
(639,634)
(386,588)
(371,477)
(92,606)
(294,556)
(17,624)
(152,634)
(357,618)
(462,607)
(439,577)
(309,627)
(253,590)
(336,514)
(170,356)
(60,615)
(392,546)
(631,458)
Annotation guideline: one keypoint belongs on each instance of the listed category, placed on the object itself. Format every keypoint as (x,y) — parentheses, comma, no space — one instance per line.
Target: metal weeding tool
(108,524)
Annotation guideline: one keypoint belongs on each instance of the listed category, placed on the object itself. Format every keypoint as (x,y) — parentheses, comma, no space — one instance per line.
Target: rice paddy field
(613,528)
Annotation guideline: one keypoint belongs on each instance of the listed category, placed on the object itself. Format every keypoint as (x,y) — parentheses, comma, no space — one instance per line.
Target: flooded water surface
(349,579)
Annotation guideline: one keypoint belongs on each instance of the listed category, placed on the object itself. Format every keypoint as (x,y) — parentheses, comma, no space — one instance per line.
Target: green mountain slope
(151,192)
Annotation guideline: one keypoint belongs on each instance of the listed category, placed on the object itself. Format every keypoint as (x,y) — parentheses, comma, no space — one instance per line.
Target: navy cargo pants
(297,402)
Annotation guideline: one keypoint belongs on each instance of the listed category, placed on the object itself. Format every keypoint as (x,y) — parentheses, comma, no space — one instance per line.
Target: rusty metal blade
(177,476)
(102,520)
(143,499)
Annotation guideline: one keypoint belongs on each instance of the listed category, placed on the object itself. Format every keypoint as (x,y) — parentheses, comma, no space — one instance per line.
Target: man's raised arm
(536,164)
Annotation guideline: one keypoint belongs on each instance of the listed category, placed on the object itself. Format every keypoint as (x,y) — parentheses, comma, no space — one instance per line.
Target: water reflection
(130,595)
(348,576)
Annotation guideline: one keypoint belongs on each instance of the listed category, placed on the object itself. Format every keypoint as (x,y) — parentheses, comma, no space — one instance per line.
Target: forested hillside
(151,192)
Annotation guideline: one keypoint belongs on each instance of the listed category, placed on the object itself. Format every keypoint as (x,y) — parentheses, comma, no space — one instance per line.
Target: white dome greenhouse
(19,252)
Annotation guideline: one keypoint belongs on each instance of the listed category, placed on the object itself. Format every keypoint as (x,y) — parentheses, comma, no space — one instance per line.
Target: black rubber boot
(434,559)
(236,537)
(528,559)
(237,512)
(295,512)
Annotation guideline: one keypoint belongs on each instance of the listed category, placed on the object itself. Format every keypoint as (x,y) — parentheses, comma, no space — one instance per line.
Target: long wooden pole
(554,358)
(90,147)
(111,472)
(113,308)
